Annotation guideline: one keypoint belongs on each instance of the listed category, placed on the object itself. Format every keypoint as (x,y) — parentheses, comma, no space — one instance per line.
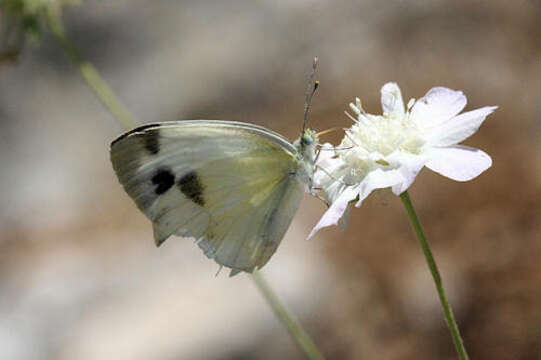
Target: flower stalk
(448,311)
(295,329)
(89,72)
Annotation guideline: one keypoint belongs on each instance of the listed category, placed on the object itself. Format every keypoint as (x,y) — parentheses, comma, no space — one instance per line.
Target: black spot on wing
(164,179)
(191,186)
(152,141)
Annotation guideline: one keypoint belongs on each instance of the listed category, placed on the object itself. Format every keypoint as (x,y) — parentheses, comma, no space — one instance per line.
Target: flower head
(389,150)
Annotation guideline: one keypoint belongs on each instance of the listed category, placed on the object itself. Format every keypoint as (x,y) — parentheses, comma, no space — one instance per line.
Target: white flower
(389,150)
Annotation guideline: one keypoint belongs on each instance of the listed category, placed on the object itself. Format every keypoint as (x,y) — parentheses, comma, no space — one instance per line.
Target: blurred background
(80,277)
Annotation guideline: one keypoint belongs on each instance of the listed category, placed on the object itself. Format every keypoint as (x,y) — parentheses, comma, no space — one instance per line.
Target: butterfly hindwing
(230,185)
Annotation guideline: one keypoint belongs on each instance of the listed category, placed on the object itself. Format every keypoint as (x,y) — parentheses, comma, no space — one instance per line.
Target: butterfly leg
(318,196)
(332,177)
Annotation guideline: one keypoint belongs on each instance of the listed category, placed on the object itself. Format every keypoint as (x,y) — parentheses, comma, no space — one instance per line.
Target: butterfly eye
(307,139)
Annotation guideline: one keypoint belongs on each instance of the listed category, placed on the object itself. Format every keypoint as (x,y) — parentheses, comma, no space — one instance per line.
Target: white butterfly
(233,186)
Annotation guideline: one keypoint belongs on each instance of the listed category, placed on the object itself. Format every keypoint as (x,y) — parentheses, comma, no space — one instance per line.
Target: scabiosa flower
(389,150)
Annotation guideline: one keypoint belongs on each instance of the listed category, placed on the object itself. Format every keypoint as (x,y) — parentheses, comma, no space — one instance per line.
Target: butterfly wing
(232,186)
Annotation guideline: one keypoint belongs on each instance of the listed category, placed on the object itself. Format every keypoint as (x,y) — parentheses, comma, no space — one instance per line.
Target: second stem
(448,311)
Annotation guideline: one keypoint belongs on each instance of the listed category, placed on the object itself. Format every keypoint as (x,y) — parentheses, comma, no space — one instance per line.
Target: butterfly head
(306,146)
(307,141)
(308,137)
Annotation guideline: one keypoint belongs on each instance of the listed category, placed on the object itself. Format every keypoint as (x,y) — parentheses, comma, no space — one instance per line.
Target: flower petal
(343,222)
(336,210)
(408,167)
(391,100)
(377,179)
(460,163)
(460,127)
(438,105)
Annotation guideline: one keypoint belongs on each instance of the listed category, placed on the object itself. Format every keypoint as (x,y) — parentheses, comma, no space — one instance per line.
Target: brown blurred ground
(81,279)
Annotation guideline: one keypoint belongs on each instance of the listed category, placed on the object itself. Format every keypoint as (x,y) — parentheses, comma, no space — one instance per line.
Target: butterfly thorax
(306,147)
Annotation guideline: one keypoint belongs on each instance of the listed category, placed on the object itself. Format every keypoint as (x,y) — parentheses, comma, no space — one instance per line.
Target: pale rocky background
(80,277)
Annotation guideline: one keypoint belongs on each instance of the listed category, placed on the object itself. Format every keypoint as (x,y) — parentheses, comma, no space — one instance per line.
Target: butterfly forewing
(232,186)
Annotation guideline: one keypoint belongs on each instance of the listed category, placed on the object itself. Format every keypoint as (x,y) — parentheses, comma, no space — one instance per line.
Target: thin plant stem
(89,72)
(448,311)
(294,328)
(127,121)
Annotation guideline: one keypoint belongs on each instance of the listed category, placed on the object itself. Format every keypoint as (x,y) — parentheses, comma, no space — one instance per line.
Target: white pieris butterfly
(234,187)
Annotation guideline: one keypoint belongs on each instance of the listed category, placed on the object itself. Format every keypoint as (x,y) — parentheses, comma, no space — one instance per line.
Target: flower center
(384,134)
(375,134)
(369,141)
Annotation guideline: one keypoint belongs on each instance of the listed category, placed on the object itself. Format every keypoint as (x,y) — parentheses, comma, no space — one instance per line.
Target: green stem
(89,72)
(451,322)
(294,328)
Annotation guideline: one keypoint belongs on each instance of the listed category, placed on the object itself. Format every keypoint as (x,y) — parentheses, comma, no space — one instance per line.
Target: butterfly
(235,187)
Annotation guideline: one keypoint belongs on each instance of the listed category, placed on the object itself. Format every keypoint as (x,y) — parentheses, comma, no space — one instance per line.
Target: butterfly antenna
(310,90)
